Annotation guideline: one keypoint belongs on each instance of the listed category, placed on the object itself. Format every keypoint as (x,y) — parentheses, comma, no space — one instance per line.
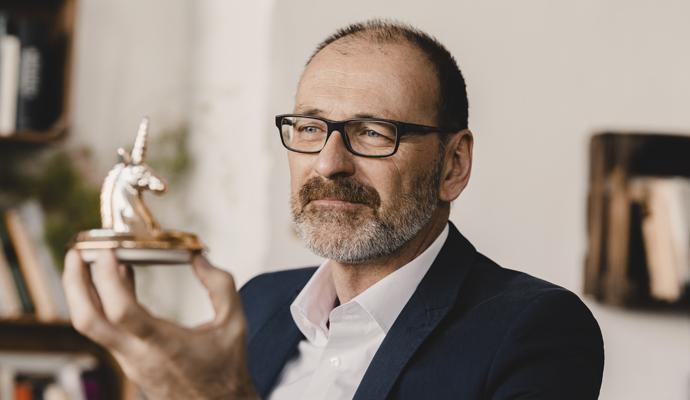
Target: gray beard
(354,237)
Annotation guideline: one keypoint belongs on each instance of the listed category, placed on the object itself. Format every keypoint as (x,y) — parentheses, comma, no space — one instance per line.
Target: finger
(85,308)
(220,286)
(88,280)
(115,288)
(126,273)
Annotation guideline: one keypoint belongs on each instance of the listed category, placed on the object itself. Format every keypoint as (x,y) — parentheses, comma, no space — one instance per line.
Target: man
(403,307)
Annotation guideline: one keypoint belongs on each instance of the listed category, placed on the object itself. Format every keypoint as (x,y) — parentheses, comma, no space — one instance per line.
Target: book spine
(9,83)
(6,382)
(23,390)
(32,221)
(39,86)
(10,302)
(46,309)
(24,296)
(13,262)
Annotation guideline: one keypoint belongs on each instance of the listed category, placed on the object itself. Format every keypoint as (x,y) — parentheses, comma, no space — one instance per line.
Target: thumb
(220,286)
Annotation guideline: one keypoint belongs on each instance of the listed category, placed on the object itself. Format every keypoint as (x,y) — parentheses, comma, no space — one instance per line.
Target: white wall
(131,58)
(542,76)
(182,63)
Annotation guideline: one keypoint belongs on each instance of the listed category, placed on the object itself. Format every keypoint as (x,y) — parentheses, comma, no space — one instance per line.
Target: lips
(330,202)
(338,199)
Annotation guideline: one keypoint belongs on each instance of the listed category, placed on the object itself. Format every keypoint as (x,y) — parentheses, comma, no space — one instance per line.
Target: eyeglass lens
(374,138)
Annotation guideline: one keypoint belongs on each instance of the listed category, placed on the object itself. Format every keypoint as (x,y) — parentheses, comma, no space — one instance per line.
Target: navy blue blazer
(471,330)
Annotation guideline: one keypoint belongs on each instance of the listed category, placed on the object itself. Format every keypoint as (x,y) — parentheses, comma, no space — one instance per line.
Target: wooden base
(165,248)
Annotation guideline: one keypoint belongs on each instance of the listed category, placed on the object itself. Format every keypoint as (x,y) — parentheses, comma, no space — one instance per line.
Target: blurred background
(543,77)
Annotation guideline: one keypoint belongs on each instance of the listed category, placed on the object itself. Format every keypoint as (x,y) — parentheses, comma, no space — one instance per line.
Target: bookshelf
(34,330)
(56,21)
(25,337)
(629,261)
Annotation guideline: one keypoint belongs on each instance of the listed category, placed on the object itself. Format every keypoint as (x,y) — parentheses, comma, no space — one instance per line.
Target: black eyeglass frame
(401,129)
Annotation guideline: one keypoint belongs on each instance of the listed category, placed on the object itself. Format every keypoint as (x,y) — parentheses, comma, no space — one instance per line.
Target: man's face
(353,209)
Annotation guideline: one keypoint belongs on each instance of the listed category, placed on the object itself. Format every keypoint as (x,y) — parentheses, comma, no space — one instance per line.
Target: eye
(372,131)
(311,129)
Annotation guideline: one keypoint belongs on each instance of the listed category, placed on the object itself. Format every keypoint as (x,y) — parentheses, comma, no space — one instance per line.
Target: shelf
(31,336)
(36,137)
(59,16)
(28,334)
(618,270)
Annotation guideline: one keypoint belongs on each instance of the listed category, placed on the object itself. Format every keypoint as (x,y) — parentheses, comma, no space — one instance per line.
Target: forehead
(390,80)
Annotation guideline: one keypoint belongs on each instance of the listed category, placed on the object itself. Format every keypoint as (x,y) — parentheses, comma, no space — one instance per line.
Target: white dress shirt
(341,341)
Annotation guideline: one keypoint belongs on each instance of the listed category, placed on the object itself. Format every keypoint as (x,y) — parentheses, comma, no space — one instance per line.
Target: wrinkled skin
(165,360)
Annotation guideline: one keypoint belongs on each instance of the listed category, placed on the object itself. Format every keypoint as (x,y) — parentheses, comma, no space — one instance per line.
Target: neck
(352,279)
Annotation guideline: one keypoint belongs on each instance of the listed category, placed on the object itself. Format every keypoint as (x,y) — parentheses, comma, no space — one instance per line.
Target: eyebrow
(367,115)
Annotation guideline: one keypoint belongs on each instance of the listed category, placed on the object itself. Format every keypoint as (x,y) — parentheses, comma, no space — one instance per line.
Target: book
(13,263)
(73,383)
(40,71)
(10,302)
(4,24)
(618,286)
(38,384)
(25,226)
(9,79)
(666,231)
(54,391)
(48,375)
(23,390)
(6,382)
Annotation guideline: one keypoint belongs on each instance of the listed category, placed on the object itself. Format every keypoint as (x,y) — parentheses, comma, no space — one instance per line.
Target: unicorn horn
(139,150)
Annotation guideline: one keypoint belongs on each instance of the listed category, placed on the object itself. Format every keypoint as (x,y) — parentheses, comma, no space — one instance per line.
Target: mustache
(343,189)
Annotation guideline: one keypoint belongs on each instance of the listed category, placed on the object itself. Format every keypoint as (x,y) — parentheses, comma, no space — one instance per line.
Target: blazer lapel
(271,348)
(432,300)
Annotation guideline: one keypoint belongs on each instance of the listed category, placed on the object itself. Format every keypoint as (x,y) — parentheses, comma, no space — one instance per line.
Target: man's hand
(167,361)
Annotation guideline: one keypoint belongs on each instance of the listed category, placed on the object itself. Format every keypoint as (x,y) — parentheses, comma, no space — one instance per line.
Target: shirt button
(335,362)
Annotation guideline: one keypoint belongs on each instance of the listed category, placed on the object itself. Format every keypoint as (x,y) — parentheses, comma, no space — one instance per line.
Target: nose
(157,185)
(335,160)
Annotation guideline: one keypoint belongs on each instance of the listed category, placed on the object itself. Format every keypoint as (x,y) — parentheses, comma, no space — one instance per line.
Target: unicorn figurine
(129,227)
(122,206)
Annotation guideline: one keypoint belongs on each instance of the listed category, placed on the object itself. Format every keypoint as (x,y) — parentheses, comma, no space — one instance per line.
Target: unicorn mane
(107,195)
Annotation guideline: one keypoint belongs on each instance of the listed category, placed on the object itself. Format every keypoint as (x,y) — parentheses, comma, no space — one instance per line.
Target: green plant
(49,175)
(169,155)
(70,203)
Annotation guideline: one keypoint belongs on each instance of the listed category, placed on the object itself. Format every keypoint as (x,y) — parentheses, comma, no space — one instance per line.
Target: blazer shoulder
(491,282)
(553,347)
(264,294)
(544,337)
(519,296)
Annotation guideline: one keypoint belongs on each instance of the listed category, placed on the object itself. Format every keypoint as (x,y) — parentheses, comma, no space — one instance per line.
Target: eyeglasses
(366,137)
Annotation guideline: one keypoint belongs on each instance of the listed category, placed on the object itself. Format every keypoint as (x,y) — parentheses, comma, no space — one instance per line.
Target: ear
(124,156)
(457,165)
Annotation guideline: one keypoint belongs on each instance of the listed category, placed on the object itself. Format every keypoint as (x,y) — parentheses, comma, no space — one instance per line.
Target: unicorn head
(122,205)
(140,176)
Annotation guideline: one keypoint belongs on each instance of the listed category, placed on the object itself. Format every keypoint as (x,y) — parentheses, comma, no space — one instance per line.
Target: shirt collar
(383,301)
(312,306)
